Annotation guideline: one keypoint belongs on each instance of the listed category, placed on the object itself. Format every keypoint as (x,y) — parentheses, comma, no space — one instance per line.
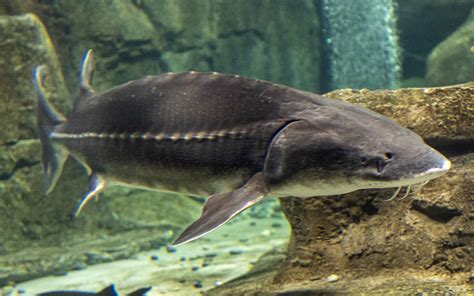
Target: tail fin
(47,119)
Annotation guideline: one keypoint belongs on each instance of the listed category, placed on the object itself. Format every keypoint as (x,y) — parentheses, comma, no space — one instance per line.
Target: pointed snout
(426,165)
(439,165)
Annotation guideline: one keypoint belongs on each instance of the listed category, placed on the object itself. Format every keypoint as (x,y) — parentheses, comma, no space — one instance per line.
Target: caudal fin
(47,119)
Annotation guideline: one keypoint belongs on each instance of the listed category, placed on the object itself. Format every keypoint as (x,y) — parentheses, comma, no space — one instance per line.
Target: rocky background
(430,36)
(275,40)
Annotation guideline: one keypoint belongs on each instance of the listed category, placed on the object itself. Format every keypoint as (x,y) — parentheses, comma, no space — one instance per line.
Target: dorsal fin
(86,73)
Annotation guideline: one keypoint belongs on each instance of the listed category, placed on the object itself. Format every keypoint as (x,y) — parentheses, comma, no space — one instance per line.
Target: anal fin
(220,208)
(96,185)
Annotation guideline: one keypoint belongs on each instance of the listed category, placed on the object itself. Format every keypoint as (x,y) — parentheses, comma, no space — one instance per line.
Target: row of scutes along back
(174,137)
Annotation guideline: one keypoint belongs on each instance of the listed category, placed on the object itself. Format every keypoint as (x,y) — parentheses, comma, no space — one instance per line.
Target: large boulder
(25,44)
(422,25)
(440,115)
(452,61)
(360,242)
(360,234)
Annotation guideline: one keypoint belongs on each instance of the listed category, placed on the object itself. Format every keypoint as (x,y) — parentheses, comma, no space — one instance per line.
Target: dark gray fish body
(235,138)
(178,131)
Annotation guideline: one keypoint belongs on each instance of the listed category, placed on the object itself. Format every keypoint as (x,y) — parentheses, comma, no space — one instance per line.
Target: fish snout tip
(443,164)
(446,165)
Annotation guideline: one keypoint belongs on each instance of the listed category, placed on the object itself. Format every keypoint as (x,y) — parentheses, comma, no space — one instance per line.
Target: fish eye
(388,156)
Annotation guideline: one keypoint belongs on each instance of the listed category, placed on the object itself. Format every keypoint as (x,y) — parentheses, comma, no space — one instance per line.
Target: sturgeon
(235,139)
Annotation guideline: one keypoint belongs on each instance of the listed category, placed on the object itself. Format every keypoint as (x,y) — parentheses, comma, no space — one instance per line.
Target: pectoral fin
(96,185)
(220,208)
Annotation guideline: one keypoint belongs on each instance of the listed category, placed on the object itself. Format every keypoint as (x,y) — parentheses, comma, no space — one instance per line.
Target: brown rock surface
(360,234)
(359,242)
(441,113)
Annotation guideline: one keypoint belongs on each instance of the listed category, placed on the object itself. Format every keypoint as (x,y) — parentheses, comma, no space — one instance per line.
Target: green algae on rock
(25,44)
(452,61)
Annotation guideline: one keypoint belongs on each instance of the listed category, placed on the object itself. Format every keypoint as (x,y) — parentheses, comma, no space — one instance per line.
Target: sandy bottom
(189,269)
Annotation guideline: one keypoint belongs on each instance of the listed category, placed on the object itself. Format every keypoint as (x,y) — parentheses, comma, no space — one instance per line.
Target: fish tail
(48,119)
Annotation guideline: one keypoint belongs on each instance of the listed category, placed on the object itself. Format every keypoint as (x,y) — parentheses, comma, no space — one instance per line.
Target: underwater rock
(25,44)
(421,243)
(197,284)
(452,61)
(422,24)
(137,38)
(333,278)
(236,251)
(435,212)
(361,233)
(440,115)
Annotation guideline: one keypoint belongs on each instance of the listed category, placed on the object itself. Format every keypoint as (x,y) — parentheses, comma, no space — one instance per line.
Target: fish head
(376,152)
(340,152)
(394,159)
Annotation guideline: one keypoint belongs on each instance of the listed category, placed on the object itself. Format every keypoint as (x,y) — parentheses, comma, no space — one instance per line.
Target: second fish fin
(220,208)
(96,185)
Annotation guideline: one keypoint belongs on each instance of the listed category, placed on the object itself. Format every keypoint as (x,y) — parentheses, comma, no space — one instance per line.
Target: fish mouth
(440,165)
(416,182)
(381,181)
(422,177)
